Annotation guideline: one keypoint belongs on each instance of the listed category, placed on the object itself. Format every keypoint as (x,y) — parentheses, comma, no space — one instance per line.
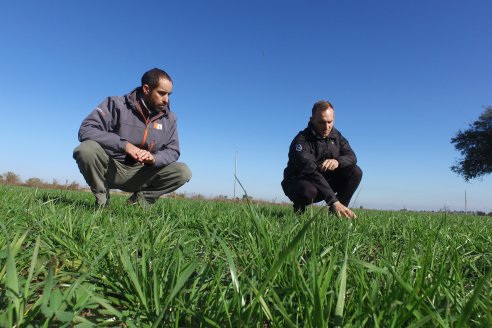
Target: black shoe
(138,199)
(132,200)
(299,209)
(98,205)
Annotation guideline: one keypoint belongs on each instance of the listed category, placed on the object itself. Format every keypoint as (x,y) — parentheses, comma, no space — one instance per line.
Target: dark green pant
(148,183)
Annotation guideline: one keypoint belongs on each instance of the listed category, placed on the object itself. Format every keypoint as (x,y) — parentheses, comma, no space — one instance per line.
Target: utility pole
(465,203)
(235,175)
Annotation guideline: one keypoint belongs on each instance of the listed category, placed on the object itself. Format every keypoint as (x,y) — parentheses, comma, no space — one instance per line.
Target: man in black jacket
(322,165)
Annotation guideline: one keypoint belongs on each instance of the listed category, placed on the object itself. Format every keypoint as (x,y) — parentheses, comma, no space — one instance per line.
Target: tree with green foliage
(475,145)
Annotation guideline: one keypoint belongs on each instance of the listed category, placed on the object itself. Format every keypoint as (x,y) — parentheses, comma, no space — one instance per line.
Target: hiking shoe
(102,200)
(101,204)
(137,198)
(133,199)
(299,209)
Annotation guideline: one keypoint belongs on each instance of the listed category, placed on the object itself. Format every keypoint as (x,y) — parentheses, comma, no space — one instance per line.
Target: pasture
(200,263)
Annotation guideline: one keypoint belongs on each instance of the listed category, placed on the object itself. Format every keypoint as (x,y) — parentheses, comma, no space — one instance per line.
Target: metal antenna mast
(465,203)
(235,174)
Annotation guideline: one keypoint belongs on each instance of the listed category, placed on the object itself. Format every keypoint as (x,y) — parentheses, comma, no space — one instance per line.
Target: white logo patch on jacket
(101,111)
(298,147)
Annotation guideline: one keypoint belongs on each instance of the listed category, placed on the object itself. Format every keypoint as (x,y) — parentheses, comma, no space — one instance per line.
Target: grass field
(185,263)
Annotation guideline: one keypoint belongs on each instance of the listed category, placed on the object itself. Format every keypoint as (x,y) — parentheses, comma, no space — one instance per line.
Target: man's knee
(301,192)
(86,151)
(357,172)
(351,173)
(308,194)
(182,172)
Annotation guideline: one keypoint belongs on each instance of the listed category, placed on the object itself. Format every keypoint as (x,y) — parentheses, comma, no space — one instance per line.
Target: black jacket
(308,150)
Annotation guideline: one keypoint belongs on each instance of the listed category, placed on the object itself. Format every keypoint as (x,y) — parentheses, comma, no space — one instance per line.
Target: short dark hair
(320,106)
(152,77)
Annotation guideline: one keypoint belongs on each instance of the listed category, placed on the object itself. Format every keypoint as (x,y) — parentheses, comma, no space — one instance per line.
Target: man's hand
(328,165)
(339,209)
(140,155)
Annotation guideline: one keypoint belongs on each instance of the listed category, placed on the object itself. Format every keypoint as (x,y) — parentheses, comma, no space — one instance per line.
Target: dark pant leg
(344,181)
(301,192)
(165,180)
(95,166)
(148,183)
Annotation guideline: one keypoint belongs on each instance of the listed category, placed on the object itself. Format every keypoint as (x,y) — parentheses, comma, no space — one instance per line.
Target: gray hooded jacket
(118,120)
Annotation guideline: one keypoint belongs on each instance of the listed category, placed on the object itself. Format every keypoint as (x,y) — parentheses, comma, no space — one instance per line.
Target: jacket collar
(136,96)
(312,133)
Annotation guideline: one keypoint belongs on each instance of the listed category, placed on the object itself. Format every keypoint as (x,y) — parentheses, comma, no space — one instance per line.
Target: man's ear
(146,89)
(311,119)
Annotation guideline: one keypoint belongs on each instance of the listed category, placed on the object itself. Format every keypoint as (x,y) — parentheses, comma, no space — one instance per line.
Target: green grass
(188,263)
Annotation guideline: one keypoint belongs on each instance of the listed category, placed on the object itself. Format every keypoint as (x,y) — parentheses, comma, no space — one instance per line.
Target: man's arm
(98,126)
(301,157)
(169,152)
(347,156)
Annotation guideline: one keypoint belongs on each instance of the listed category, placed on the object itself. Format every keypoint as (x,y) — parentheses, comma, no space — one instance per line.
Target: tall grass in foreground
(215,264)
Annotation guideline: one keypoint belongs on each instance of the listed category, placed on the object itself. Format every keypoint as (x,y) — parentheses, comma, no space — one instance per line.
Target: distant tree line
(11,178)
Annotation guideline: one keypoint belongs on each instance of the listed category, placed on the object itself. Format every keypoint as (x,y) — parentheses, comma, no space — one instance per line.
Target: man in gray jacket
(131,143)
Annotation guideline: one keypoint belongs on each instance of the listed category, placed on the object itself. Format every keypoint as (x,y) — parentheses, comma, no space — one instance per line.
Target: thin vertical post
(235,174)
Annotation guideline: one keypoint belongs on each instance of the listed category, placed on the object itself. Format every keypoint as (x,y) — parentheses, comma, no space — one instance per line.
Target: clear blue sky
(404,77)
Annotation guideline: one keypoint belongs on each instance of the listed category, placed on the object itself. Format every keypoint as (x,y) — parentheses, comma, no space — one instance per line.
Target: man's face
(157,98)
(323,121)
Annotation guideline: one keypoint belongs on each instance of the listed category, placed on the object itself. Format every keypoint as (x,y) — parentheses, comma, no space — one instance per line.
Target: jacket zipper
(144,136)
(151,146)
(147,123)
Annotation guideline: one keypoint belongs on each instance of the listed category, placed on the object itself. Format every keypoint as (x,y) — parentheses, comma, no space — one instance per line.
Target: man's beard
(154,110)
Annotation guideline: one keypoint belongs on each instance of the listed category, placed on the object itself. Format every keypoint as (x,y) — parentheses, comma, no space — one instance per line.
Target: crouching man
(322,165)
(131,143)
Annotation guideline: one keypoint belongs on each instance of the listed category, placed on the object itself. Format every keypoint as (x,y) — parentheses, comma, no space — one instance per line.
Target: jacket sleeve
(347,156)
(169,152)
(301,157)
(100,123)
